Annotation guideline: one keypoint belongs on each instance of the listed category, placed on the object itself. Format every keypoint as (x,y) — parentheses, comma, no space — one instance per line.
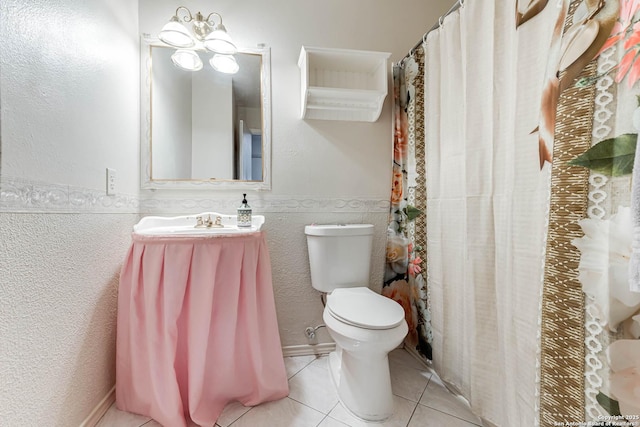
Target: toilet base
(363,384)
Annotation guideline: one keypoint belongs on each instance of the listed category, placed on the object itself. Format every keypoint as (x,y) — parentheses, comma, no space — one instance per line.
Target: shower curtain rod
(453,8)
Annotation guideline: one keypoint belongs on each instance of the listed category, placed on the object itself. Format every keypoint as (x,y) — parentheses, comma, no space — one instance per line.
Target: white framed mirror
(205,129)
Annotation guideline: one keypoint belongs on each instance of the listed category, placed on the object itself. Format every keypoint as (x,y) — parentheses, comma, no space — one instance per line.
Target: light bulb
(187,60)
(224,63)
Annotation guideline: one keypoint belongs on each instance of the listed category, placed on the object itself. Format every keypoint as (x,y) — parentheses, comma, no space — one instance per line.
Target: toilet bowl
(364,337)
(365,325)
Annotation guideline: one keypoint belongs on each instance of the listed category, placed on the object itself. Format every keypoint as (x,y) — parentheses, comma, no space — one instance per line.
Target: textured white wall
(58,281)
(69,105)
(70,91)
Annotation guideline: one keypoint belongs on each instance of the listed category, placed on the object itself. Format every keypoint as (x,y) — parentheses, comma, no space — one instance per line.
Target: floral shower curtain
(404,278)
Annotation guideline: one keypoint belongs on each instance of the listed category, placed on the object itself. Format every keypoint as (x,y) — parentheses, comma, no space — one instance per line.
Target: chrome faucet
(208,223)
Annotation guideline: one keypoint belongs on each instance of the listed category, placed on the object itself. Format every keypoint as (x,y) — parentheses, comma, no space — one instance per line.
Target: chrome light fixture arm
(201,26)
(213,23)
(209,33)
(187,17)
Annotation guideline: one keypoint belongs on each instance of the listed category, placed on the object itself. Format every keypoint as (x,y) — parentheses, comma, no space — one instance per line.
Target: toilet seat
(363,308)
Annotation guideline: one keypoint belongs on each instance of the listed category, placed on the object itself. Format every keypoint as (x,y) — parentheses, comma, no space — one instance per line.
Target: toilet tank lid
(339,230)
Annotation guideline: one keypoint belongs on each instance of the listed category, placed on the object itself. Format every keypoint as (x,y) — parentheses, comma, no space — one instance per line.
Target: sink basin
(185,225)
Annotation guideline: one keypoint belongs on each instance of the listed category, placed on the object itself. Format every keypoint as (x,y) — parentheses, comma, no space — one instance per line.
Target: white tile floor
(421,400)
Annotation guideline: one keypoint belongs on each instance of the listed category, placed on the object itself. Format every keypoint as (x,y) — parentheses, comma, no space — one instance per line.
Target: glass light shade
(219,41)
(175,34)
(187,60)
(224,63)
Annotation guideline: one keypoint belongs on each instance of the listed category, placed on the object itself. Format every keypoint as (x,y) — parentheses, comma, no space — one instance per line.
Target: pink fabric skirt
(197,328)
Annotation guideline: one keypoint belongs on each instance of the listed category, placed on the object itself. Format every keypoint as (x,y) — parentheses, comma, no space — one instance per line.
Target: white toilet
(365,325)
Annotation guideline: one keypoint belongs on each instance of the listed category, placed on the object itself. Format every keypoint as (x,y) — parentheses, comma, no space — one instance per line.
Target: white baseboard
(308,350)
(100,409)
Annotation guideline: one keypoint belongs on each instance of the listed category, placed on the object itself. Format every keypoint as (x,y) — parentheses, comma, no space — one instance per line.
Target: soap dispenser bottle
(244,213)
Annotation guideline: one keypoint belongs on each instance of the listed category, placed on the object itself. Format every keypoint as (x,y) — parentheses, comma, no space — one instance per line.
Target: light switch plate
(111,182)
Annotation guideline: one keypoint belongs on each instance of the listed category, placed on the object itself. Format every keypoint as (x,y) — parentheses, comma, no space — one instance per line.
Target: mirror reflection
(205,124)
(205,127)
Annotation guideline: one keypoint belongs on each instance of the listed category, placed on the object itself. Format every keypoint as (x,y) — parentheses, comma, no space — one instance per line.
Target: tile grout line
(303,368)
(287,397)
(304,404)
(412,414)
(327,414)
(325,417)
(453,416)
(234,421)
(435,409)
(418,402)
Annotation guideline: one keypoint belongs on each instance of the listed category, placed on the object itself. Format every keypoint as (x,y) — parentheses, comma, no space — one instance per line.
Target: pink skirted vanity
(197,325)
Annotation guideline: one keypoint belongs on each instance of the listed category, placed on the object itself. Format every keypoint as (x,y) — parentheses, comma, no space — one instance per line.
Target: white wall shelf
(342,84)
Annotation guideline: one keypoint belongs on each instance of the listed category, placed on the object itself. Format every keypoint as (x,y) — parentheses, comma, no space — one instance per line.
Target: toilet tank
(339,255)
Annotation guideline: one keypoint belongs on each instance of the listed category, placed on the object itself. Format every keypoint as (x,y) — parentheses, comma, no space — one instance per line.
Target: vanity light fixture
(207,33)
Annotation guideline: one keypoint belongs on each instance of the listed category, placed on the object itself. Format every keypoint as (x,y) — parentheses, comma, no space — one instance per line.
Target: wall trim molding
(101,408)
(20,195)
(261,202)
(308,350)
